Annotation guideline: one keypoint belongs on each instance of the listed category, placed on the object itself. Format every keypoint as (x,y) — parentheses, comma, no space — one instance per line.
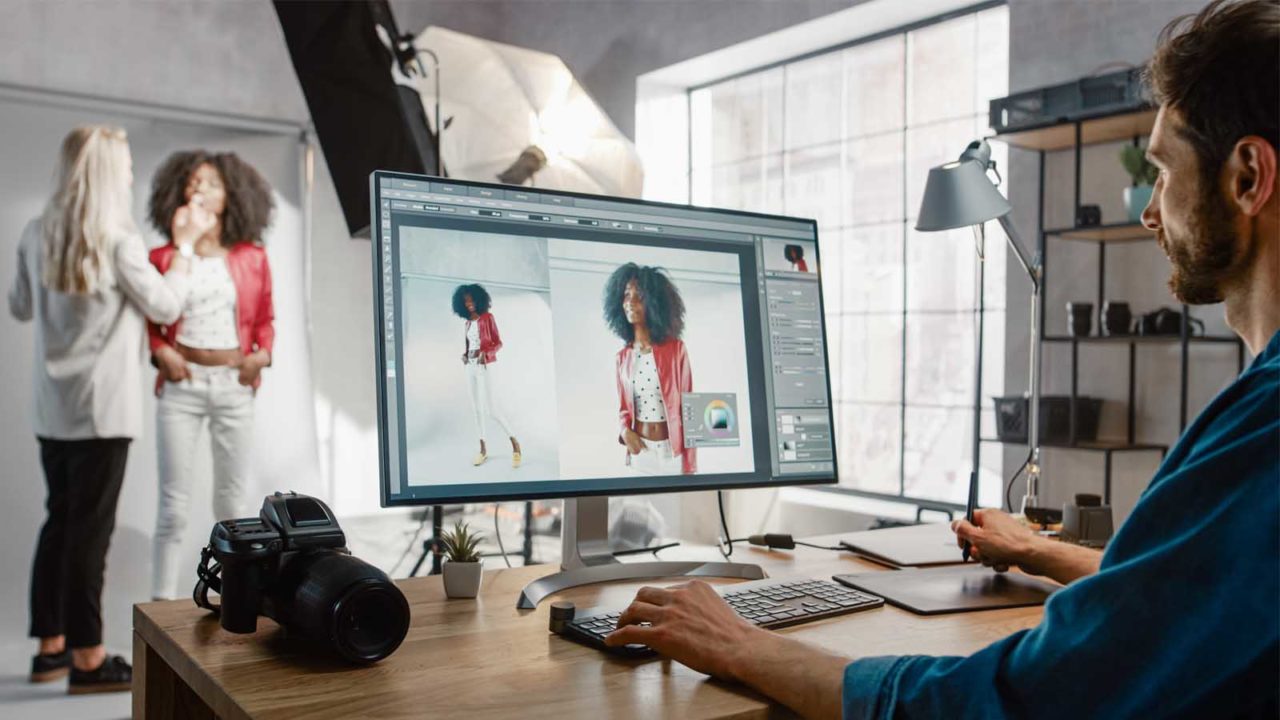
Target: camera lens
(344,603)
(370,621)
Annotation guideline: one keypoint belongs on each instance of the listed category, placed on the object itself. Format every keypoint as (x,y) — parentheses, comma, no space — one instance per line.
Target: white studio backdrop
(284,456)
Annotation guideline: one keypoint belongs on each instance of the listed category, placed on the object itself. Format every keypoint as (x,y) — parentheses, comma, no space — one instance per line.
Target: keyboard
(767,603)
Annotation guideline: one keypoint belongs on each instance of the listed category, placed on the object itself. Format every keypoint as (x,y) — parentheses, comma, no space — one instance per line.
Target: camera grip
(241,596)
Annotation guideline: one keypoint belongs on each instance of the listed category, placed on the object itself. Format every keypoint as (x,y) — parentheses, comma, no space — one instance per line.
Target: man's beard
(1207,259)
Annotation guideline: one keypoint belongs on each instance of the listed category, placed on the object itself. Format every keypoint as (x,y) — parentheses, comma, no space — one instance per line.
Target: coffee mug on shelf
(1116,318)
(1079,319)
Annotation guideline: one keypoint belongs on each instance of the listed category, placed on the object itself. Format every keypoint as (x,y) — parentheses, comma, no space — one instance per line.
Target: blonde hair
(90,209)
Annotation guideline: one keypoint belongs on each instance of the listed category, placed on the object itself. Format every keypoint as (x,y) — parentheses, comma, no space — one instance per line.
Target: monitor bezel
(385,423)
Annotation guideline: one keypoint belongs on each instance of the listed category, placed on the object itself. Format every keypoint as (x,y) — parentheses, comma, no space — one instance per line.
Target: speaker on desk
(363,119)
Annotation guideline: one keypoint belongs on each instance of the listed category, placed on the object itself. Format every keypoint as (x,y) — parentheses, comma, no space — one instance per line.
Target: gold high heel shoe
(479,459)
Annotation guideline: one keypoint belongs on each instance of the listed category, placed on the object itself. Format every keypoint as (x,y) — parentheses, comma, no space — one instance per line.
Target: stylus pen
(970,506)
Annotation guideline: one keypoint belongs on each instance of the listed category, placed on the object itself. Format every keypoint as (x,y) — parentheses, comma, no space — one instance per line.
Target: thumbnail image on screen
(562,350)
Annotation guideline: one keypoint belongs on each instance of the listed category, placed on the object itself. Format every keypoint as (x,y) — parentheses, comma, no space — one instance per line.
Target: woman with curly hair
(795,255)
(213,207)
(479,352)
(644,309)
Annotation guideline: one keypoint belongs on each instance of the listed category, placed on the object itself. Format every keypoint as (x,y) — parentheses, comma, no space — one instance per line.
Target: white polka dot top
(648,392)
(209,314)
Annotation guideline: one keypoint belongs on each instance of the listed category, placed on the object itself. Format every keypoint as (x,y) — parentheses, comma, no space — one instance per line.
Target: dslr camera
(291,564)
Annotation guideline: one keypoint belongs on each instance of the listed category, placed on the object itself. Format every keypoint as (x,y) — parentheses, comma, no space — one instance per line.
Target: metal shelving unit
(1073,136)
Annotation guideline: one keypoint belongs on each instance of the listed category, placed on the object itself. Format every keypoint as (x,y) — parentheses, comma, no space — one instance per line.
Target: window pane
(940,360)
(753,185)
(941,73)
(871,263)
(873,180)
(868,440)
(870,358)
(746,117)
(940,270)
(992,63)
(813,185)
(874,86)
(931,146)
(814,102)
(937,454)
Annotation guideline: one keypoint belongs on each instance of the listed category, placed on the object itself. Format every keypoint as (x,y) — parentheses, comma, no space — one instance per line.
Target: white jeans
(482,400)
(655,459)
(214,394)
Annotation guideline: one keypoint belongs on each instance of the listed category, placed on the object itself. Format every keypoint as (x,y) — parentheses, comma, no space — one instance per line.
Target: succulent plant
(460,545)
(1134,159)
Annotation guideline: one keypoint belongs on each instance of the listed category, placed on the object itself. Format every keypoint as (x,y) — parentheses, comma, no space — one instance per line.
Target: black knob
(562,613)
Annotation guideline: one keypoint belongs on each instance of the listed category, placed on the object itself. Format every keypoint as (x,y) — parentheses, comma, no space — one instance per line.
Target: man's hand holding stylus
(1000,541)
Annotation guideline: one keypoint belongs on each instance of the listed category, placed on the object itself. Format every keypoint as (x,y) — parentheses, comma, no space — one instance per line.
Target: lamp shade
(959,194)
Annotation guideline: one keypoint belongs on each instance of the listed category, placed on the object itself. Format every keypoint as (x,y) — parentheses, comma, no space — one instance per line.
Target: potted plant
(1143,173)
(462,562)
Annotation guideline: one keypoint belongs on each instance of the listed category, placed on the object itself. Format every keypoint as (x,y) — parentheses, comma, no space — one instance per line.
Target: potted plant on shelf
(462,562)
(1143,173)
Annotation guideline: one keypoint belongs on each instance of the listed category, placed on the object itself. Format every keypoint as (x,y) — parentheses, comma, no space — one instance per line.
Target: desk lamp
(961,194)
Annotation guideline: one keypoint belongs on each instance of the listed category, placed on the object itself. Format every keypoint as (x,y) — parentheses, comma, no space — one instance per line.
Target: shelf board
(1095,446)
(1119,232)
(1062,135)
(1141,339)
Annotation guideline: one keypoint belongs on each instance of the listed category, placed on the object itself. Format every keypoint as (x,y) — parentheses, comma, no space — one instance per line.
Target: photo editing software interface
(543,344)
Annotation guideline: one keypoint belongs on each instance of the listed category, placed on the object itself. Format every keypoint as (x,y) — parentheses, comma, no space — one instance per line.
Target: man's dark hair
(793,252)
(249,202)
(479,296)
(663,307)
(1220,69)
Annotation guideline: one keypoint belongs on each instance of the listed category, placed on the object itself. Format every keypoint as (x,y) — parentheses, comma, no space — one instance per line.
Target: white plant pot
(462,579)
(1136,198)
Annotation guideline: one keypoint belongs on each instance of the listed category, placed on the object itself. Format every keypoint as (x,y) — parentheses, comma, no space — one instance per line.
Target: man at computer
(1181,615)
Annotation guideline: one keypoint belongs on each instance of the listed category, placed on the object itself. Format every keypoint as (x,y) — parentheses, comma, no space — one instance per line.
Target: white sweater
(89,349)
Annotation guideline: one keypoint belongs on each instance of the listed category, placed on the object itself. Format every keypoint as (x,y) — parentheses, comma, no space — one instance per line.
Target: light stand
(586,558)
(960,194)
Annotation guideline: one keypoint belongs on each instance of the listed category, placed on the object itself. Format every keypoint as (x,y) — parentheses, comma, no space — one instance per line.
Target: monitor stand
(587,558)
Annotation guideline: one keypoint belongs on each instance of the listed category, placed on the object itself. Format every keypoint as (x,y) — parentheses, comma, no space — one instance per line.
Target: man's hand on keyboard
(688,623)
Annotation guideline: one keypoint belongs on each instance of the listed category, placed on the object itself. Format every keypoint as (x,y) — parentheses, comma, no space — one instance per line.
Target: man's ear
(1251,174)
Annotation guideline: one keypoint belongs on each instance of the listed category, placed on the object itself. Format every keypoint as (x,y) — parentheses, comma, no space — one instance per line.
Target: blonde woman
(84,278)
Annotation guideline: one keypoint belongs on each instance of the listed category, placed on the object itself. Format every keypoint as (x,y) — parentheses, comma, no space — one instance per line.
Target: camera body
(291,564)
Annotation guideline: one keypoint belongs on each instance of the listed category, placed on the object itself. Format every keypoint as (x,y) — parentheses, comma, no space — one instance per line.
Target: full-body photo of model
(481,343)
(214,208)
(644,309)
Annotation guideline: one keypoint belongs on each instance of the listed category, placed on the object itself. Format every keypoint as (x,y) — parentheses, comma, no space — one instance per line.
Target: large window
(846,136)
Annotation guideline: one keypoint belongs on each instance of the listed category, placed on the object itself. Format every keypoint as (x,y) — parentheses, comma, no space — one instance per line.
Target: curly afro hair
(663,306)
(479,296)
(249,201)
(793,252)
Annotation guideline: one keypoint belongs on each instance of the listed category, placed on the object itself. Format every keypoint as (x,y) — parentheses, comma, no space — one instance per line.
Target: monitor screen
(594,345)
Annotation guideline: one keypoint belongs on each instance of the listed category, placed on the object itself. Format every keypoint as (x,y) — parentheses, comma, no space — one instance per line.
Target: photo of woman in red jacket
(480,351)
(213,208)
(643,307)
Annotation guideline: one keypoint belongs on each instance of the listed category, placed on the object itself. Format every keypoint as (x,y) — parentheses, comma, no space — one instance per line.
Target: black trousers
(84,478)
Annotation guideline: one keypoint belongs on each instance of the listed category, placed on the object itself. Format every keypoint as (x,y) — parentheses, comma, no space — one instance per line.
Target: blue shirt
(1182,618)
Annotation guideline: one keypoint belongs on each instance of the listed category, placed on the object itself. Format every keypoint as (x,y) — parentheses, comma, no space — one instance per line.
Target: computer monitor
(627,346)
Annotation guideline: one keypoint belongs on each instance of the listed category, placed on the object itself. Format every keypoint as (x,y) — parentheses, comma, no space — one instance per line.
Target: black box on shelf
(1055,418)
(1079,99)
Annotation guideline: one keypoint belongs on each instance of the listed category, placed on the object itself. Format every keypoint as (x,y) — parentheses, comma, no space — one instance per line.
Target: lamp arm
(1035,271)
(1031,266)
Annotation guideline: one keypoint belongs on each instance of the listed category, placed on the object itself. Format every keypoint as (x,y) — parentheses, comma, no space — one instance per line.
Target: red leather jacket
(255,313)
(490,340)
(676,377)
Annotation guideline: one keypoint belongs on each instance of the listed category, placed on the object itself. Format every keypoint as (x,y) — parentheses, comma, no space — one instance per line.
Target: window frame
(906,313)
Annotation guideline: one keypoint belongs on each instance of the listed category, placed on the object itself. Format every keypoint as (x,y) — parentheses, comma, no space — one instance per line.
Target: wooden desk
(482,658)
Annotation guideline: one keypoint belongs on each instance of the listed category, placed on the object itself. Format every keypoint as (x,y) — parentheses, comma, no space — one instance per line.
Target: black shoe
(50,667)
(113,675)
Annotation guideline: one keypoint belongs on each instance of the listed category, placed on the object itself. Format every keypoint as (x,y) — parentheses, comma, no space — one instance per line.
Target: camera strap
(209,574)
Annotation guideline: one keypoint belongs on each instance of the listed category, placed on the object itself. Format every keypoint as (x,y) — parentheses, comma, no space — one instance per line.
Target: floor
(21,700)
